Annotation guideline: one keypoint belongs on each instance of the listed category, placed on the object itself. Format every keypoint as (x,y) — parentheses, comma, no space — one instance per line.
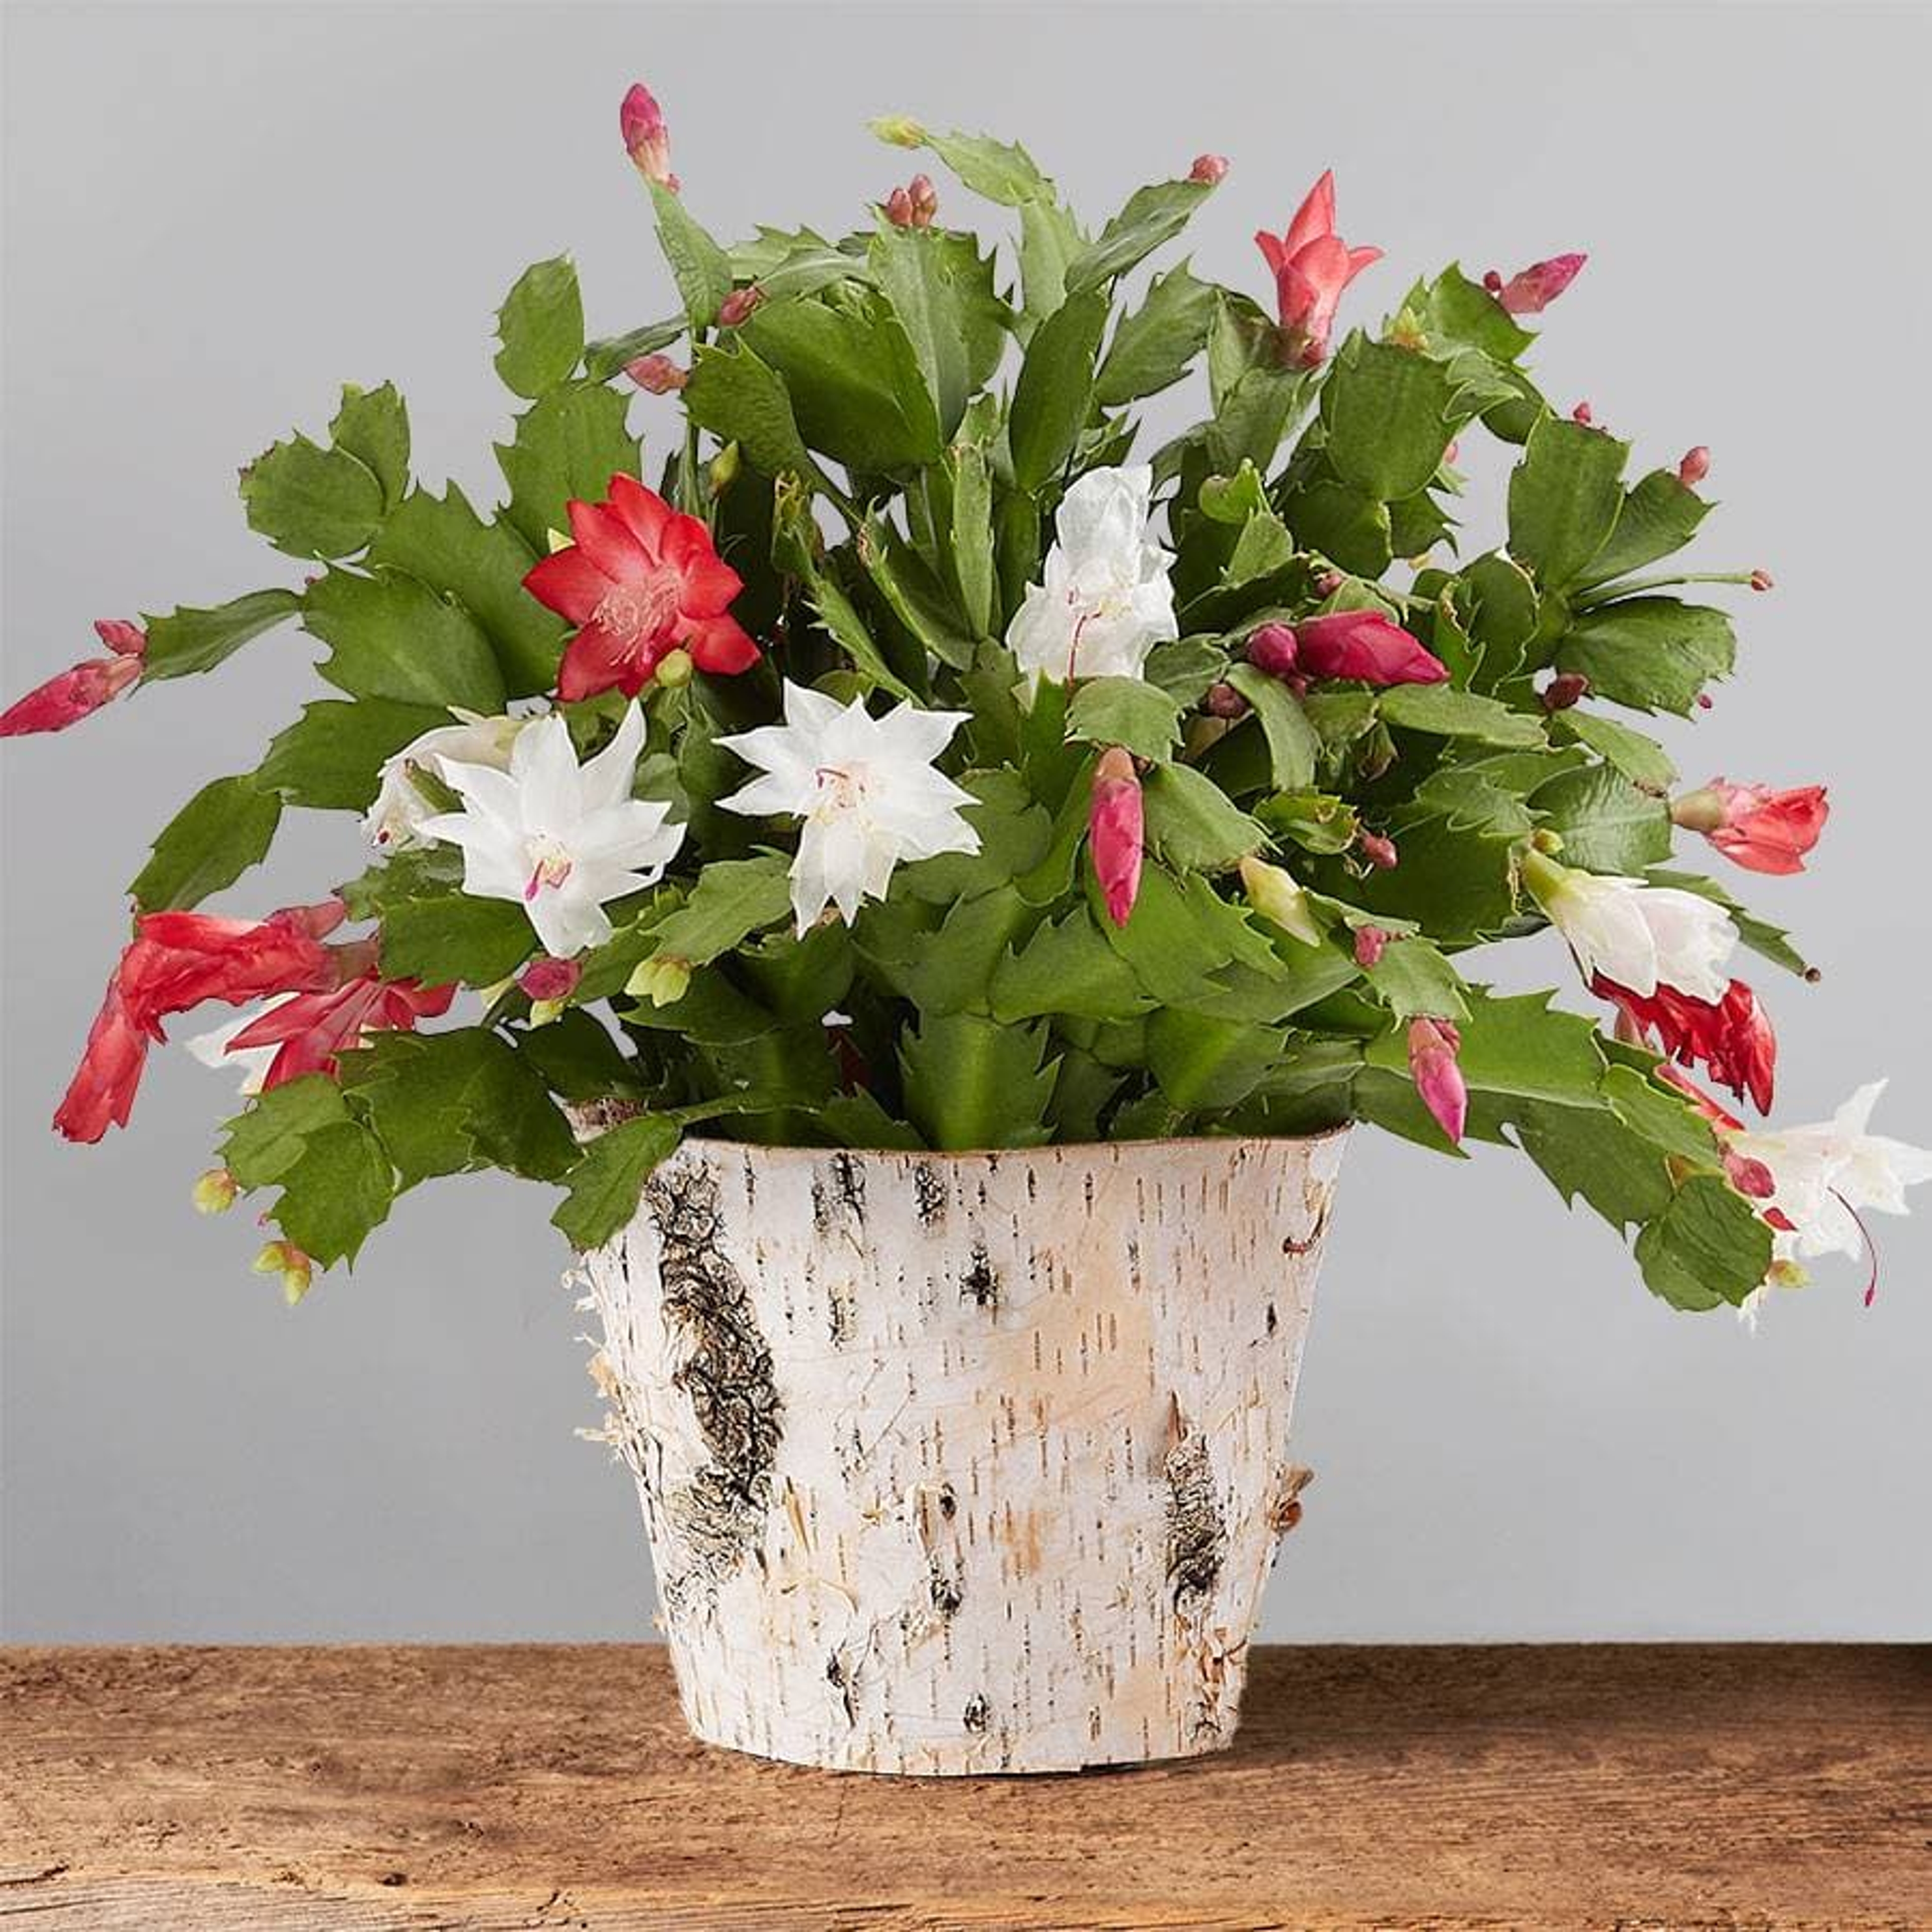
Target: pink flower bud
(1272,648)
(1704,701)
(1371,942)
(1750,1177)
(74,693)
(124,639)
(1566,688)
(1223,700)
(1581,414)
(1754,826)
(1380,852)
(1449,454)
(1535,288)
(1327,582)
(656,375)
(1761,579)
(1695,467)
(898,207)
(549,980)
(646,136)
(738,305)
(925,198)
(1116,832)
(1364,645)
(1433,1045)
(1209,170)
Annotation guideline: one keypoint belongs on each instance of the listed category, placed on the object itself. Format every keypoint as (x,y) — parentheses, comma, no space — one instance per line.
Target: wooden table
(294,1789)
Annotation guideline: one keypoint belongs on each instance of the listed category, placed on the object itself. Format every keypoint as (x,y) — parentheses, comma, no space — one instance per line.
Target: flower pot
(964,1463)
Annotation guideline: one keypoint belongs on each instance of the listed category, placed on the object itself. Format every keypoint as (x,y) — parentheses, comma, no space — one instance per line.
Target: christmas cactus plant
(888,753)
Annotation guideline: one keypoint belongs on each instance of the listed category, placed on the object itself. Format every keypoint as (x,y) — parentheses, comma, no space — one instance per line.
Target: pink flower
(1732,1037)
(656,375)
(175,961)
(1116,829)
(66,699)
(646,135)
(1312,266)
(641,580)
(1532,290)
(311,1030)
(1695,466)
(1754,826)
(1209,170)
(1433,1045)
(738,305)
(549,979)
(1362,645)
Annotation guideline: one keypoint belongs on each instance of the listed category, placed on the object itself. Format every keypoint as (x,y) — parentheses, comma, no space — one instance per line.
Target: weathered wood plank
(363,1789)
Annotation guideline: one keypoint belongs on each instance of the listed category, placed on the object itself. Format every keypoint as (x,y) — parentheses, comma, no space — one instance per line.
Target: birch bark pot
(964,1463)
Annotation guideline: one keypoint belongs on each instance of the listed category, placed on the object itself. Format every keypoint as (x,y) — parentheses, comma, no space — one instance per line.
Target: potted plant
(933,883)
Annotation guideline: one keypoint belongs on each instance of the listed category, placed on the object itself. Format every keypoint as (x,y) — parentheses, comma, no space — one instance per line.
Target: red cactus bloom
(175,961)
(1116,832)
(646,136)
(1311,265)
(1535,288)
(1364,645)
(641,580)
(1732,1038)
(1754,826)
(84,688)
(313,1028)
(1433,1045)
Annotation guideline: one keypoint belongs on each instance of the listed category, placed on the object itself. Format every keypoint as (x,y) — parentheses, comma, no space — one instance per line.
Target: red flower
(176,961)
(1757,828)
(646,136)
(1531,291)
(640,580)
(1116,831)
(1360,644)
(1312,266)
(1433,1045)
(1732,1037)
(313,1028)
(66,699)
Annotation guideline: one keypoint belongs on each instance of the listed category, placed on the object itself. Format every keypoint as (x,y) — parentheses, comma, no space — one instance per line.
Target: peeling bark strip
(964,1463)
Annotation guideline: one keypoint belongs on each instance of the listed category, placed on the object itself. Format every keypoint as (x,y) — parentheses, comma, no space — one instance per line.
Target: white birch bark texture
(964,1463)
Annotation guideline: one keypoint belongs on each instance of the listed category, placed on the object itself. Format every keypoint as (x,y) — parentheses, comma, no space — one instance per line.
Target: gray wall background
(213,215)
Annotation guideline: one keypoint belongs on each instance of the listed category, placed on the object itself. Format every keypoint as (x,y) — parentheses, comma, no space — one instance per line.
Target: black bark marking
(1274,1320)
(840,1678)
(928,1194)
(726,1375)
(1197,1531)
(976,1716)
(948,1592)
(980,1283)
(841,1189)
(1291,1246)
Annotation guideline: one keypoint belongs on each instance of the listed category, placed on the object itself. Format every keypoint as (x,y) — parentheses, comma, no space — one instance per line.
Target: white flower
(1822,1174)
(1106,601)
(865,788)
(1640,936)
(252,1062)
(395,820)
(559,838)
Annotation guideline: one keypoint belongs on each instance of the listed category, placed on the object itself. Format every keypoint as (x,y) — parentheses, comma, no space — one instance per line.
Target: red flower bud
(656,375)
(1223,700)
(898,207)
(1761,579)
(1581,414)
(1695,467)
(550,980)
(1208,169)
(738,305)
(1272,648)
(1116,831)
(1371,942)
(1535,288)
(1362,645)
(1433,1045)
(646,136)
(1566,688)
(1380,852)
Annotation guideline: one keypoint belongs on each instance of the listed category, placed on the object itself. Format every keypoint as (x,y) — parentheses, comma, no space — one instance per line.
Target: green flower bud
(663,981)
(215,1192)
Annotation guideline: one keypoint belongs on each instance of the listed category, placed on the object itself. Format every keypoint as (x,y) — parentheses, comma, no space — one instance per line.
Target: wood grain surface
(293,1790)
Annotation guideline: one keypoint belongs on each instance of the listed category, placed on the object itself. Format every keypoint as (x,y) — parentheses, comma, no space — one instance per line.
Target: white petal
(608,777)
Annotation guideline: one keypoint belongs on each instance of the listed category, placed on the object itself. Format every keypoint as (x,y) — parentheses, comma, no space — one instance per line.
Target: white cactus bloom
(560,838)
(1106,600)
(395,821)
(1640,936)
(864,787)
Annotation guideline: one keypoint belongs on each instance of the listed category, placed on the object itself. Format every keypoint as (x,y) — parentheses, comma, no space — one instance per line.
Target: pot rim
(710,1143)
